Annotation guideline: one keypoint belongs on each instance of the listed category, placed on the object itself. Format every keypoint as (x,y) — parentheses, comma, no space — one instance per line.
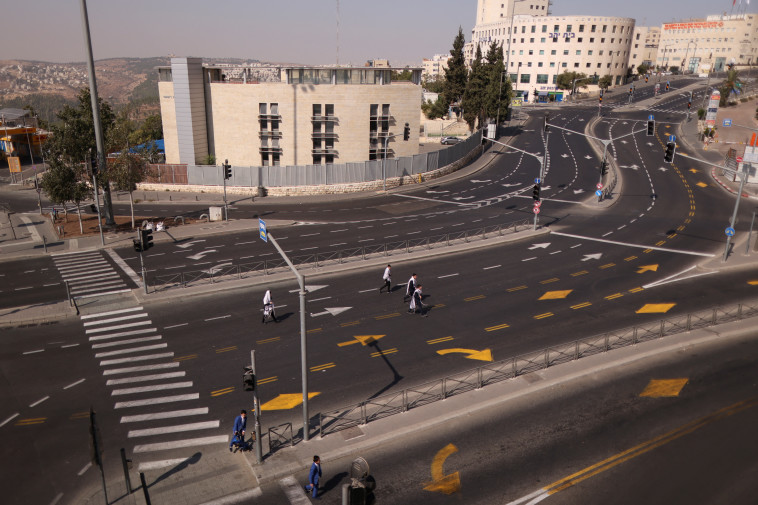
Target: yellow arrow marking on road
(701,184)
(647,268)
(655,308)
(694,170)
(753,283)
(286,401)
(664,388)
(555,295)
(483,355)
(362,339)
(442,483)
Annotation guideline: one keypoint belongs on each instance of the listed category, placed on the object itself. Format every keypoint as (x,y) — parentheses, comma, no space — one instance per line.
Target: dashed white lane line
(606,234)
(493,266)
(448,275)
(320,299)
(33,352)
(56,499)
(218,317)
(39,401)
(175,326)
(164,415)
(84,469)
(336,231)
(69,345)
(74,384)
(48,285)
(529,259)
(367,290)
(309,235)
(21,289)
(9,419)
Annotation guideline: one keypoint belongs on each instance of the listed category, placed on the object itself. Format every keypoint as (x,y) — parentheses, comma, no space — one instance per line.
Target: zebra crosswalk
(89,274)
(147,387)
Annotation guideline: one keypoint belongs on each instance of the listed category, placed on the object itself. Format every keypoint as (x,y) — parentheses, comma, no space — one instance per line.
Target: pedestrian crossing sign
(262,230)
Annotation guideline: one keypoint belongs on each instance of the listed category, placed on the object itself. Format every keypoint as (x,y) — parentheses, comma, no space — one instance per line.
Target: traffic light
(667,86)
(689,104)
(600,99)
(650,127)
(248,379)
(94,167)
(668,157)
(536,193)
(406,132)
(137,245)
(146,237)
(547,125)
(227,170)
(645,78)
(631,90)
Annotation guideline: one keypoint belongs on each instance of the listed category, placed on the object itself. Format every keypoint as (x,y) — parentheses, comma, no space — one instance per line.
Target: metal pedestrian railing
(331,421)
(160,281)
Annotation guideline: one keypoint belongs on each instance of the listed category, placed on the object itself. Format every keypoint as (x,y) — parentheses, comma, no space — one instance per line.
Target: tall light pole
(499,99)
(665,55)
(510,36)
(384,174)
(684,61)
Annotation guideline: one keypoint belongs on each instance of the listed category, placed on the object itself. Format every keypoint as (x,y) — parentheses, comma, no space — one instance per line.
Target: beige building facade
(710,44)
(308,116)
(435,67)
(645,42)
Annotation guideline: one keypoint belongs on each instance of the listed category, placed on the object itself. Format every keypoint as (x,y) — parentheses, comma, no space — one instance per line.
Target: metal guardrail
(400,401)
(316,260)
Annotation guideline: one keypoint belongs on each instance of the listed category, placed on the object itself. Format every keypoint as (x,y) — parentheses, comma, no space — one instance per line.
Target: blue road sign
(727,122)
(672,138)
(599,192)
(729,231)
(650,118)
(262,230)
(537,180)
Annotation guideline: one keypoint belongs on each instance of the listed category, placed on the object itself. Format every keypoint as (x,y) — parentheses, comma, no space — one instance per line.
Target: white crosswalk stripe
(117,334)
(89,274)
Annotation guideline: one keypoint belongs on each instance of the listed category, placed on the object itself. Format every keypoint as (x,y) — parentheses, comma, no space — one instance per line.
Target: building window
(581,28)
(588,65)
(564,64)
(602,40)
(593,28)
(552,64)
(544,28)
(592,40)
(568,28)
(576,65)
(523,29)
(524,78)
(539,64)
(578,52)
(542,40)
(614,29)
(534,28)
(552,52)
(589,52)
(542,52)
(531,52)
(565,52)
(531,40)
(541,78)
(605,28)
(556,28)
(579,40)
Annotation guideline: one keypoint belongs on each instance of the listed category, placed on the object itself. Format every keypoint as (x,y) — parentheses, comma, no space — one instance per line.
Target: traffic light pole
(226,208)
(257,413)
(303,342)
(141,262)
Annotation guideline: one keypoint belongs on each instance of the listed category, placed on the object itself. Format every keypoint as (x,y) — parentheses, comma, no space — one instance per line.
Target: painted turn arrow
(442,483)
(331,310)
(647,268)
(310,289)
(200,255)
(595,256)
(484,355)
(543,245)
(190,244)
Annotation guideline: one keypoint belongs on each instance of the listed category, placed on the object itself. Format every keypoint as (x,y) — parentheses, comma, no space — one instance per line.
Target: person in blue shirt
(240,423)
(313,477)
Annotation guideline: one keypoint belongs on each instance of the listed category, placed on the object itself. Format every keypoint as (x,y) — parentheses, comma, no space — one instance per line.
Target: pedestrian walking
(387,278)
(416,304)
(410,288)
(238,432)
(268,307)
(313,477)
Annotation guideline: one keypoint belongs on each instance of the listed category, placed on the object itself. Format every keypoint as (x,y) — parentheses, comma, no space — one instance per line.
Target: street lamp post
(499,99)
(384,158)
(510,36)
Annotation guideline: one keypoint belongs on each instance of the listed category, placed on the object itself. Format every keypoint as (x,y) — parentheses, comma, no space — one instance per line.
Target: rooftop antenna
(338,32)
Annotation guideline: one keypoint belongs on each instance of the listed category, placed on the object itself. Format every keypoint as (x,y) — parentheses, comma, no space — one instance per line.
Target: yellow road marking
(543,316)
(646,251)
(314,330)
(556,295)
(581,305)
(31,420)
(548,281)
(349,342)
(701,184)
(185,358)
(630,258)
(498,327)
(753,283)
(269,340)
(226,349)
(441,483)
(582,272)
(680,228)
(636,290)
(647,268)
(439,340)
(80,415)
(363,339)
(351,323)
(267,380)
(517,288)
(659,388)
(655,308)
(472,298)
(319,368)
(607,265)
(438,305)
(220,392)
(483,355)
(387,316)
(694,170)
(614,296)
(382,353)
(671,236)
(286,401)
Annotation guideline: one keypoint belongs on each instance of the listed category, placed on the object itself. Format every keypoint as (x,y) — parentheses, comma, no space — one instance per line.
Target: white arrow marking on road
(331,310)
(476,181)
(634,167)
(546,187)
(588,157)
(650,144)
(624,141)
(437,192)
(663,169)
(592,256)
(577,191)
(510,185)
(543,245)
(200,255)
(311,289)
(189,244)
(218,267)
(564,155)
(462,197)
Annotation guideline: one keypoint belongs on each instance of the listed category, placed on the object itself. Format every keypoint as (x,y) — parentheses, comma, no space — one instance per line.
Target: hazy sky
(294,31)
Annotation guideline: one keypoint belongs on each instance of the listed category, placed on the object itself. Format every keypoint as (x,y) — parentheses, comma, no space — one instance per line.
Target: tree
(566,80)
(151,129)
(73,139)
(473,103)
(642,69)
(405,75)
(731,84)
(498,88)
(434,85)
(434,110)
(456,74)
(605,82)
(63,183)
(128,170)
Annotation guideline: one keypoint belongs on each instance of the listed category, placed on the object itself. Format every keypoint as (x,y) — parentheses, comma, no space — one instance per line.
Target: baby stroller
(238,442)
(268,313)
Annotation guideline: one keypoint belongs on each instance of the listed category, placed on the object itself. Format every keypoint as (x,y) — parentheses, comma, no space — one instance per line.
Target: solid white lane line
(56,499)
(320,299)
(164,415)
(494,266)
(148,432)
(180,444)
(219,317)
(68,345)
(448,275)
(21,289)
(9,419)
(528,497)
(130,350)
(155,387)
(74,384)
(175,326)
(529,259)
(33,352)
(84,469)
(294,491)
(136,358)
(639,246)
(145,378)
(111,313)
(669,280)
(122,334)
(126,342)
(143,368)
(118,327)
(39,401)
(157,401)
(115,319)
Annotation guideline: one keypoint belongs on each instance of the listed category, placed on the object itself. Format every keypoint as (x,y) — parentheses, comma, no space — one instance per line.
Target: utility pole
(257,412)
(227,173)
